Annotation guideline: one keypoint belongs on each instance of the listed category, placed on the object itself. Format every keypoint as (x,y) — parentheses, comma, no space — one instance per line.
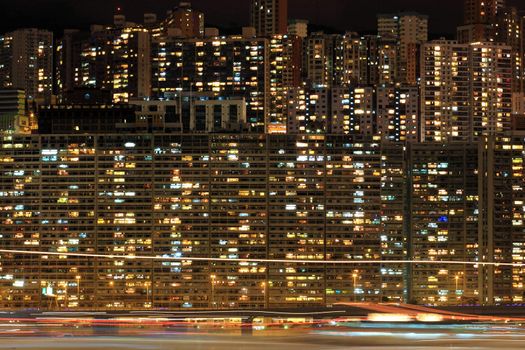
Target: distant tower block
(269,17)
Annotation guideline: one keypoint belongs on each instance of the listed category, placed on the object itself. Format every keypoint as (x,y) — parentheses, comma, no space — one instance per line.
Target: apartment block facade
(259,218)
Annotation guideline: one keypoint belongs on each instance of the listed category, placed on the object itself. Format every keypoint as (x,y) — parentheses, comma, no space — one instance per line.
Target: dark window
(217,116)
(233,114)
(200,118)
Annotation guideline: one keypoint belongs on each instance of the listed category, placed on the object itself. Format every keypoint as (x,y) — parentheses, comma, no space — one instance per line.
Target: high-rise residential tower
(13,115)
(26,62)
(185,19)
(508,29)
(298,27)
(285,65)
(466,90)
(332,59)
(319,58)
(482,11)
(225,66)
(68,57)
(115,59)
(377,60)
(410,30)
(479,19)
(269,17)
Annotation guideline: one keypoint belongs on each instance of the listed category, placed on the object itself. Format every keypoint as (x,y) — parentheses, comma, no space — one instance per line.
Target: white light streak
(297,261)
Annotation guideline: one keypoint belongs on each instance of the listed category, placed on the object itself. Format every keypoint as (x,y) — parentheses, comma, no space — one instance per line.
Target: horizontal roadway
(338,311)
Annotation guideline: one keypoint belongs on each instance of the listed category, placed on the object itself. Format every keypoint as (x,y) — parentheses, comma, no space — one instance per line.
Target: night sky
(340,15)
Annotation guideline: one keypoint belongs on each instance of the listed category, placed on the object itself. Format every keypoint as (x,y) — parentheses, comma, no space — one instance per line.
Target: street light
(213,277)
(78,278)
(457,277)
(147,284)
(263,287)
(355,275)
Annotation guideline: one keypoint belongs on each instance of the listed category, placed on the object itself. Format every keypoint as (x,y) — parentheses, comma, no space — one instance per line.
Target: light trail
(231,312)
(297,261)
